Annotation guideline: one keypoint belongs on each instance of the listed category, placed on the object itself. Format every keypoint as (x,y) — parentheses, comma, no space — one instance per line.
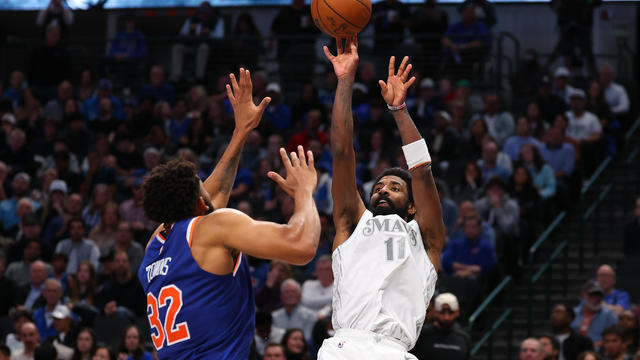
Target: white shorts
(350,344)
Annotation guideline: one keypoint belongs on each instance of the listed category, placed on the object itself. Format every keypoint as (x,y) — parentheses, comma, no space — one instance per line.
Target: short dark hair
(570,311)
(496,181)
(78,220)
(399,172)
(616,330)
(554,342)
(263,318)
(170,192)
(46,351)
(270,345)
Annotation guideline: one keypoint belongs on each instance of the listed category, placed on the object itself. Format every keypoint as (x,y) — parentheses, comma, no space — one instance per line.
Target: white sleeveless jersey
(384,279)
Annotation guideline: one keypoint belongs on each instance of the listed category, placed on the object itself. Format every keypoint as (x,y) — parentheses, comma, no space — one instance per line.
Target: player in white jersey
(385,258)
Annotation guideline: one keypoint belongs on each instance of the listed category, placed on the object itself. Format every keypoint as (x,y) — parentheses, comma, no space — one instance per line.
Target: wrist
(347,79)
(397,107)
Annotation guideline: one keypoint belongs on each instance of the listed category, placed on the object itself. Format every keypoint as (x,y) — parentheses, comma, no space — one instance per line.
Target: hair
(473,215)
(112,355)
(246,17)
(554,342)
(616,330)
(46,351)
(584,355)
(137,352)
(171,191)
(286,268)
(292,282)
(15,314)
(263,318)
(94,345)
(285,340)
(538,161)
(477,180)
(403,174)
(569,310)
(496,181)
(270,345)
(73,285)
(102,227)
(77,219)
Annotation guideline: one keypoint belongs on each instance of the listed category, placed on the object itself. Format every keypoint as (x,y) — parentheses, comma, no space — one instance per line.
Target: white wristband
(416,154)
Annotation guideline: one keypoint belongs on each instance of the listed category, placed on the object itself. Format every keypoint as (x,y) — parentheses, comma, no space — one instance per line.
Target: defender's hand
(301,174)
(247,115)
(345,63)
(394,91)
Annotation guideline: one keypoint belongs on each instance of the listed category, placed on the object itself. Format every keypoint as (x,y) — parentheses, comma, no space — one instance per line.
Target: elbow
(303,247)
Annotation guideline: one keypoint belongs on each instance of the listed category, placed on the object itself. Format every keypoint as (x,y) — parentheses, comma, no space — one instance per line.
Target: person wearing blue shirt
(466,42)
(277,115)
(615,299)
(592,316)
(490,167)
(487,232)
(541,172)
(560,155)
(52,293)
(129,44)
(8,208)
(470,255)
(91,107)
(522,137)
(158,89)
(179,123)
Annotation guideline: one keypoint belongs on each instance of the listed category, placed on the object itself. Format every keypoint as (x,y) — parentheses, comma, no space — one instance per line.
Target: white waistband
(371,336)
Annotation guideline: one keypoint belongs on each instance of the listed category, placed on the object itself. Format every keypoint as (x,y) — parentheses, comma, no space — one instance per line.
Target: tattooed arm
(425,195)
(247,117)
(347,204)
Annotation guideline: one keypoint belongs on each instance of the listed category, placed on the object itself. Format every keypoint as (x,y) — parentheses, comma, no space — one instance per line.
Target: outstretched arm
(247,117)
(347,204)
(425,195)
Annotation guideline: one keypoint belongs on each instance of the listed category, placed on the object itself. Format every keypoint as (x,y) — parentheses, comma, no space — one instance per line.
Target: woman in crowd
(131,347)
(104,235)
(538,125)
(92,212)
(85,345)
(542,173)
(82,286)
(522,189)
(470,186)
(104,353)
(295,346)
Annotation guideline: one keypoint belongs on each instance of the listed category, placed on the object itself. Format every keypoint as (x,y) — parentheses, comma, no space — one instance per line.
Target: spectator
(82,290)
(9,208)
(91,214)
(443,139)
(57,13)
(274,352)
(30,251)
(550,347)
(317,294)
(105,233)
(91,108)
(247,42)
(123,295)
(469,255)
(65,339)
(428,25)
(631,230)
(59,263)
(589,355)
(592,318)
(390,18)
(195,37)
(17,155)
(428,103)
(158,89)
(311,132)
(15,92)
(522,137)
(537,123)
(597,104)
(500,124)
(295,345)
(629,323)
(124,242)
(31,339)
(266,333)
(490,167)
(531,349)
(277,116)
(498,209)
(54,109)
(131,346)
(584,130)
(58,227)
(43,316)
(132,212)
(18,318)
(30,295)
(561,86)
(528,76)
(467,207)
(560,155)
(444,339)
(522,189)
(613,344)
(571,342)
(104,352)
(542,173)
(466,42)
(470,186)
(615,299)
(127,50)
(86,345)
(78,248)
(550,103)
(50,63)
(293,314)
(614,93)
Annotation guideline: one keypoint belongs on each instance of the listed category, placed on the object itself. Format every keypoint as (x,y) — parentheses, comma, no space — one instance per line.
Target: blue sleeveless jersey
(194,314)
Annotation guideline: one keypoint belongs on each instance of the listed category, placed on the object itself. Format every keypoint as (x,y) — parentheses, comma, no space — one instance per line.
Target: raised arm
(347,204)
(295,242)
(425,195)
(247,117)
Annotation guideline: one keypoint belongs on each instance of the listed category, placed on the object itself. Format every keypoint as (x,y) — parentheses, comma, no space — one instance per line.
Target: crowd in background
(73,155)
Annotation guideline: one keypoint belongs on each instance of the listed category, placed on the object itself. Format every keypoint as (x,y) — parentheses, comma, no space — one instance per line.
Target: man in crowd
(466,42)
(31,339)
(274,352)
(122,296)
(592,317)
(522,137)
(293,314)
(550,347)
(490,167)
(317,294)
(613,344)
(615,94)
(531,349)
(65,339)
(9,208)
(42,316)
(500,124)
(266,333)
(77,248)
(471,255)
(30,295)
(444,339)
(571,343)
(615,299)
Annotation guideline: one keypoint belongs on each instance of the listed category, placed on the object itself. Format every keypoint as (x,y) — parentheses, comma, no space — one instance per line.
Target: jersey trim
(160,238)
(190,228)
(238,261)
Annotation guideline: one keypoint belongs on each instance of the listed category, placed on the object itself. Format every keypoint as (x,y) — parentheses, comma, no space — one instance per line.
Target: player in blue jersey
(200,302)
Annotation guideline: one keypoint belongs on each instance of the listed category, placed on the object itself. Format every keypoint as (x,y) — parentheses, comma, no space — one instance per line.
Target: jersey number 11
(400,245)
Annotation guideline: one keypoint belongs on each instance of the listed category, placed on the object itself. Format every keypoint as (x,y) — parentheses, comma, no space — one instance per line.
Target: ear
(201,206)
(412,209)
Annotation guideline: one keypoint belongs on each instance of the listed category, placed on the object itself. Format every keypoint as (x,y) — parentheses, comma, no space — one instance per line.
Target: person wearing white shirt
(266,333)
(561,86)
(317,294)
(293,314)
(583,125)
(499,124)
(615,94)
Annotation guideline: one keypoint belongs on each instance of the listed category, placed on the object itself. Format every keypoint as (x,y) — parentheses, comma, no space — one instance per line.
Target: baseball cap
(58,185)
(447,299)
(561,72)
(9,118)
(61,312)
(104,84)
(24,176)
(275,87)
(578,93)
(593,287)
(427,83)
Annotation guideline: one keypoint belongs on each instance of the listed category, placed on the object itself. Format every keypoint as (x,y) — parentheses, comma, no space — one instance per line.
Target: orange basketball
(341,18)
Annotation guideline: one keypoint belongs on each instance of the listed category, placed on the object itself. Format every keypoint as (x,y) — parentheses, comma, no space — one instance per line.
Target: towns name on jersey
(160,267)
(387,225)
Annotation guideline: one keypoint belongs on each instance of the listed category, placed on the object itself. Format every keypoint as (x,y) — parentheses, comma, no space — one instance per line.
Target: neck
(608,291)
(76,240)
(50,307)
(289,309)
(562,331)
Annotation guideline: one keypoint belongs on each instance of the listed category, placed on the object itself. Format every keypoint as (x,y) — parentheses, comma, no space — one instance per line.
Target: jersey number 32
(174,333)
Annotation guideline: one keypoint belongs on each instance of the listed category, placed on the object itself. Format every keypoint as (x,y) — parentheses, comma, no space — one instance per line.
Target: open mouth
(383,203)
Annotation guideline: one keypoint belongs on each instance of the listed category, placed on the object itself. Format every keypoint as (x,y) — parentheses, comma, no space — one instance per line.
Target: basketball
(341,18)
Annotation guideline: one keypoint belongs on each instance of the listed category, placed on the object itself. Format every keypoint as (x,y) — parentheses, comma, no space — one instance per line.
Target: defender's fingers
(383,86)
(247,79)
(234,83)
(403,65)
(406,72)
(339,47)
(310,159)
(230,94)
(327,53)
(277,178)
(410,82)
(294,159)
(392,65)
(285,159)
(263,105)
(303,158)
